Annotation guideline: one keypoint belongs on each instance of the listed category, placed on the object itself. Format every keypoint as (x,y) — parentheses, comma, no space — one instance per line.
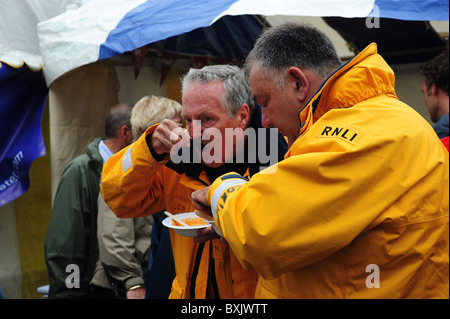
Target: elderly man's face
(206,117)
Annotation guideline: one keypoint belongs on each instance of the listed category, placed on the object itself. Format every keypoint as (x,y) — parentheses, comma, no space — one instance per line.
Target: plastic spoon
(176,218)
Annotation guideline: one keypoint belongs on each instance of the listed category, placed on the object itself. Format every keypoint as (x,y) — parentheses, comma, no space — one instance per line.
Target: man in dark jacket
(71,247)
(435,90)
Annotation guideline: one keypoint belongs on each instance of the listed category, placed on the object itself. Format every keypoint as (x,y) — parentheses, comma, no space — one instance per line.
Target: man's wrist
(227,182)
(156,156)
(135,287)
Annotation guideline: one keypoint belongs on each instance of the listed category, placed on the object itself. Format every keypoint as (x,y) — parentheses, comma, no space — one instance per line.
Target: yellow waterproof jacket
(358,208)
(134,184)
(149,186)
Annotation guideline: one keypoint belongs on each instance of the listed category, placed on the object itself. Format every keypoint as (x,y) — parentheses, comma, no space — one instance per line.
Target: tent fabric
(154,20)
(223,39)
(23,96)
(78,115)
(73,38)
(61,35)
(323,8)
(104,28)
(19,42)
(413,10)
(394,44)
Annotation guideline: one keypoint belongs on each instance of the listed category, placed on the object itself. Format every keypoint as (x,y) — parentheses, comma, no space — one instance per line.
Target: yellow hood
(366,75)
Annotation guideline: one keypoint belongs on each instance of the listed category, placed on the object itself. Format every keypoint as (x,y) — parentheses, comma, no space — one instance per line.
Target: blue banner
(23,94)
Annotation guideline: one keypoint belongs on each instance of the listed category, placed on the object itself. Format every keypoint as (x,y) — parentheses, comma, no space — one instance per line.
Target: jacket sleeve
(308,207)
(116,239)
(131,183)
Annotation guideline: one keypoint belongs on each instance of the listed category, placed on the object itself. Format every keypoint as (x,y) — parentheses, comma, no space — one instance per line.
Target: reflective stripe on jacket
(358,208)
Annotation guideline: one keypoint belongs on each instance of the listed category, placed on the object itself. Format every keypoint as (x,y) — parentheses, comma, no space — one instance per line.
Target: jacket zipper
(198,255)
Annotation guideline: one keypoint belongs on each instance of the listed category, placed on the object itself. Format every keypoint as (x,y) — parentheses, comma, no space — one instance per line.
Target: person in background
(148,176)
(71,247)
(359,206)
(435,92)
(124,242)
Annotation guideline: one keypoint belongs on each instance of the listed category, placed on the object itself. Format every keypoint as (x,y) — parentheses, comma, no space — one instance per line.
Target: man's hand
(166,135)
(206,234)
(138,293)
(200,202)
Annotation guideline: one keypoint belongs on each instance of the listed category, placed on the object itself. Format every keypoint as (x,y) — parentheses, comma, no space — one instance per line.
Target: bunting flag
(23,95)
(199,61)
(138,56)
(103,28)
(168,59)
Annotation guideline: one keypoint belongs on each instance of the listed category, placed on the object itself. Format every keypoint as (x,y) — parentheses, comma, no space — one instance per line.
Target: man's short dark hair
(293,44)
(435,72)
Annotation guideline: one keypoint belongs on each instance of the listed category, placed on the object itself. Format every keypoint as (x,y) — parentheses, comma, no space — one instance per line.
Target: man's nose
(265,120)
(195,129)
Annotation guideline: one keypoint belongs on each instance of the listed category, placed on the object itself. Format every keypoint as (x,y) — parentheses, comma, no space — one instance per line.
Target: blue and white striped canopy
(103,28)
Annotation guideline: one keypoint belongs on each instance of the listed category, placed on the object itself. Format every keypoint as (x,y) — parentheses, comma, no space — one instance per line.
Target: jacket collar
(95,159)
(365,76)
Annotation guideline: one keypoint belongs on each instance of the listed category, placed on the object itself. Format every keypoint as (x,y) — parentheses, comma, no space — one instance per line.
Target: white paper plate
(211,222)
(190,231)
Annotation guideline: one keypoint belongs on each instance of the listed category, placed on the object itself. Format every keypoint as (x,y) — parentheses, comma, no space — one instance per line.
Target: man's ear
(434,90)
(297,79)
(244,116)
(125,132)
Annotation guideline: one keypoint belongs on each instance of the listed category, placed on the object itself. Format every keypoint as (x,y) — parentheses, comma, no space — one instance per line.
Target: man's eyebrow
(204,114)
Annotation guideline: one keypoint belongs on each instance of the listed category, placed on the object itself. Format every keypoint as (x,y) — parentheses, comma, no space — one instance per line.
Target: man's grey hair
(118,116)
(293,44)
(235,83)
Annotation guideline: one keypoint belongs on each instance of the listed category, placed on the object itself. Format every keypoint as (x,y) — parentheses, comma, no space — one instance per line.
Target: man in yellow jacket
(359,206)
(143,179)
